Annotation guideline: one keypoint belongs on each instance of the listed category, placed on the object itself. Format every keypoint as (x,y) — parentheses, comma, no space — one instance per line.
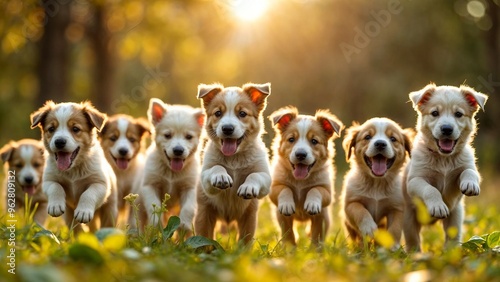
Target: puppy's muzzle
(60,143)
(123,152)
(380,145)
(447,130)
(301,155)
(228,129)
(178,151)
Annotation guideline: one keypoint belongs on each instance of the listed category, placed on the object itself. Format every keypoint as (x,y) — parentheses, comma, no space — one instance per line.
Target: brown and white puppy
(122,139)
(77,179)
(235,172)
(372,194)
(24,161)
(443,165)
(302,169)
(173,163)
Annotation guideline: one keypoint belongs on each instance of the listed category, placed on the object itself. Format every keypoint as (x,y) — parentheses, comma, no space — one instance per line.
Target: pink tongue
(122,163)
(176,164)
(229,146)
(29,189)
(63,160)
(446,145)
(300,171)
(379,165)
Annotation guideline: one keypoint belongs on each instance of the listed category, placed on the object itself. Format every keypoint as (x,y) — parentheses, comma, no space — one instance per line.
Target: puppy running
(122,139)
(303,171)
(77,180)
(442,168)
(372,194)
(235,172)
(24,161)
(173,164)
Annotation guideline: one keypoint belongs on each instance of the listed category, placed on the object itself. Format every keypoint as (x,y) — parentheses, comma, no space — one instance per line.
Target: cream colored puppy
(443,167)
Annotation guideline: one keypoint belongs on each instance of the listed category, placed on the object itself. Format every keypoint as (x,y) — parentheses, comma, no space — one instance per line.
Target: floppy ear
(144,125)
(408,135)
(258,93)
(329,122)
(207,92)
(350,140)
(38,117)
(156,110)
(199,116)
(475,99)
(420,97)
(281,118)
(96,118)
(6,151)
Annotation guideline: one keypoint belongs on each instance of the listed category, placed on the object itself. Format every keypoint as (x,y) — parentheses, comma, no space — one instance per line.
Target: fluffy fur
(302,169)
(372,194)
(173,164)
(24,161)
(77,179)
(442,168)
(235,172)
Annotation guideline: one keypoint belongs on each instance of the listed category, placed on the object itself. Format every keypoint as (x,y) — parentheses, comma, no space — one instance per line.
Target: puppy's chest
(379,207)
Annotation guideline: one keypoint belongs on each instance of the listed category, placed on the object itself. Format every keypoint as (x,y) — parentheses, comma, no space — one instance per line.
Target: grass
(55,254)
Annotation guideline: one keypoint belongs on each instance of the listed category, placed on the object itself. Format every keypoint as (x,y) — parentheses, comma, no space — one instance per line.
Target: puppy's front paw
(368,228)
(286,208)
(248,191)
(438,210)
(312,207)
(469,188)
(56,208)
(84,215)
(221,181)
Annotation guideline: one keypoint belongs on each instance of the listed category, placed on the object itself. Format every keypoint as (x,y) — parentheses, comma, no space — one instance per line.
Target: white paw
(438,210)
(312,207)
(84,215)
(248,191)
(221,181)
(286,208)
(56,208)
(368,228)
(469,188)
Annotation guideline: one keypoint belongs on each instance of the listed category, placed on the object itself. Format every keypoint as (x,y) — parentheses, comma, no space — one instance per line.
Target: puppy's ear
(96,118)
(156,111)
(409,135)
(329,122)
(350,140)
(199,116)
(422,96)
(207,92)
(258,93)
(6,151)
(143,125)
(475,99)
(38,117)
(282,117)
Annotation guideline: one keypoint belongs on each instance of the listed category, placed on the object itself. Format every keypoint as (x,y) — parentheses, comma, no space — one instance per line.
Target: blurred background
(359,59)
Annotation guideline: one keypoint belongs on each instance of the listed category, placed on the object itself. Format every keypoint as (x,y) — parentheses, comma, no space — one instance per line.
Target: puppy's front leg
(469,182)
(215,179)
(317,198)
(188,207)
(395,226)
(286,203)
(418,187)
(360,217)
(90,200)
(151,200)
(256,185)
(56,197)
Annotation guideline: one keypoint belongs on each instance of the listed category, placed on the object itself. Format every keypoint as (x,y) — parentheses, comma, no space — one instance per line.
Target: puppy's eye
(113,138)
(393,139)
(435,113)
(291,139)
(37,165)
(51,129)
(459,114)
(189,136)
(132,139)
(75,129)
(18,166)
(242,114)
(218,114)
(368,137)
(168,135)
(314,141)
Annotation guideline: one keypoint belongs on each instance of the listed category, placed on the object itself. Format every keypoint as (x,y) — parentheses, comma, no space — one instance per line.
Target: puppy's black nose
(227,129)
(380,145)
(447,130)
(28,179)
(60,143)
(178,151)
(123,152)
(301,155)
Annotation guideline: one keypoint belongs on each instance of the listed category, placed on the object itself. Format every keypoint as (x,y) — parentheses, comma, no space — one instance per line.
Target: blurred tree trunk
(53,54)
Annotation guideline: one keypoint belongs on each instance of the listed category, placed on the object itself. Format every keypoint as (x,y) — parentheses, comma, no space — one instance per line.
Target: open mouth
(230,145)
(446,146)
(176,164)
(29,189)
(65,159)
(121,163)
(301,171)
(379,164)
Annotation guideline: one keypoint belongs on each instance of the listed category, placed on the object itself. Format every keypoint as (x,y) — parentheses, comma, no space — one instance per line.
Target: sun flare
(250,10)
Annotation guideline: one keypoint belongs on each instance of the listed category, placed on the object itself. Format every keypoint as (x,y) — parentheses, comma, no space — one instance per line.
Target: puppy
(77,179)
(122,139)
(235,172)
(302,169)
(442,168)
(372,192)
(173,164)
(24,161)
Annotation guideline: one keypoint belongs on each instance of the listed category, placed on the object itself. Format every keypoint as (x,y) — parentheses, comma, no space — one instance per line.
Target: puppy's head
(68,130)
(122,139)
(234,115)
(26,158)
(446,115)
(304,141)
(177,131)
(379,145)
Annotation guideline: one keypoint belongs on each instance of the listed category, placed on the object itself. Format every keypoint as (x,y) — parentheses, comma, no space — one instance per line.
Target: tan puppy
(442,168)
(303,172)
(173,164)
(77,180)
(372,192)
(122,139)
(24,161)
(235,172)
